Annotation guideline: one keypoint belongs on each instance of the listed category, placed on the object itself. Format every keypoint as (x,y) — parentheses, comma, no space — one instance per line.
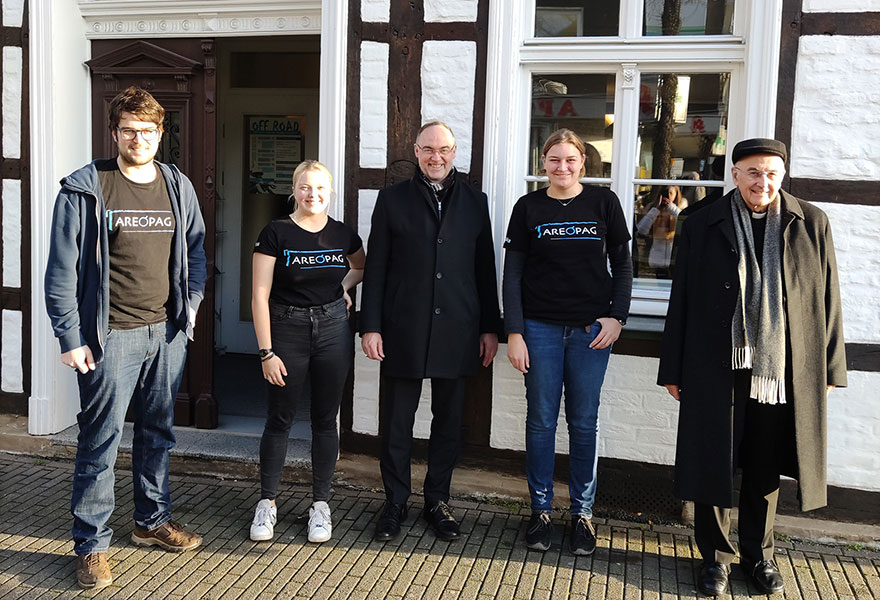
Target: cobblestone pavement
(633,561)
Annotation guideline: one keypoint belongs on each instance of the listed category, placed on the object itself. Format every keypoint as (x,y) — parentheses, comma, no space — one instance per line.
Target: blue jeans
(560,356)
(143,366)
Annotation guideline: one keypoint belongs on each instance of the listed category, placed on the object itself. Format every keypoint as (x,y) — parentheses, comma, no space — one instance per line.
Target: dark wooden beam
(788,54)
(836,191)
(855,23)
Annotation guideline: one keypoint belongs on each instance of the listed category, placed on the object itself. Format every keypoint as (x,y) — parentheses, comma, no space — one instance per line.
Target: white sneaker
(320,526)
(263,526)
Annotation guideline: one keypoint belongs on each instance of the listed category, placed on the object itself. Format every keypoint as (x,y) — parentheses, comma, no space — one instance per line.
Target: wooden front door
(181,75)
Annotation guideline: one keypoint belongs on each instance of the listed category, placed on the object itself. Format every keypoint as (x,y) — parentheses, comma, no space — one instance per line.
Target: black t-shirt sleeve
(267,242)
(355,243)
(517,231)
(618,232)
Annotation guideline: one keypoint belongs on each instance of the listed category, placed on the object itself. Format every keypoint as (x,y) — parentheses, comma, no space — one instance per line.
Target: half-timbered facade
(660,89)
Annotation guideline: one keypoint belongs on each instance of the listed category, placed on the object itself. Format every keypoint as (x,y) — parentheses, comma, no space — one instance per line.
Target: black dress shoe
(388,526)
(442,521)
(713,578)
(766,577)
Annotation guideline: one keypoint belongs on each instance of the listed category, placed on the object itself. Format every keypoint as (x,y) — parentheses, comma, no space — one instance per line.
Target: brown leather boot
(171,536)
(93,571)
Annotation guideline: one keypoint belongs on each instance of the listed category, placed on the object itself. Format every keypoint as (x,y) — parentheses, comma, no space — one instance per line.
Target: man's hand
(674,391)
(192,318)
(518,352)
(80,359)
(372,344)
(608,334)
(488,348)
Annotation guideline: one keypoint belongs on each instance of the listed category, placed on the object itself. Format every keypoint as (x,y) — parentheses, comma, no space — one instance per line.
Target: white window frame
(750,54)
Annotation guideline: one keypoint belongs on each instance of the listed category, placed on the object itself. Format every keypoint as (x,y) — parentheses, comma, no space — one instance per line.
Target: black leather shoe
(442,521)
(388,526)
(766,577)
(712,580)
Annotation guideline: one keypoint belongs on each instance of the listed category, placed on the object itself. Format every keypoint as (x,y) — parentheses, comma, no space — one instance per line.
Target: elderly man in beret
(752,344)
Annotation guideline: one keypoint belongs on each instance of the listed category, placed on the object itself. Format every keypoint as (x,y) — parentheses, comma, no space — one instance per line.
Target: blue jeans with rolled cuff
(144,367)
(560,358)
(315,343)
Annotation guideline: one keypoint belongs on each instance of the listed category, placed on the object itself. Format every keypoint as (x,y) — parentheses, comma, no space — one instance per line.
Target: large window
(656,88)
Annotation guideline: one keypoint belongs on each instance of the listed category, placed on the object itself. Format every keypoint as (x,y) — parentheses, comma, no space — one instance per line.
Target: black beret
(759,146)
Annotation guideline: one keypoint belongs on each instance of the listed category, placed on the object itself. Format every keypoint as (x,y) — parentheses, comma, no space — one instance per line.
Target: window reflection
(576,18)
(688,17)
(582,103)
(682,123)
(682,137)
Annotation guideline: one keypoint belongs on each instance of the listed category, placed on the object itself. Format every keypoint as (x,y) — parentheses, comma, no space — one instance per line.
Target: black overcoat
(696,347)
(430,285)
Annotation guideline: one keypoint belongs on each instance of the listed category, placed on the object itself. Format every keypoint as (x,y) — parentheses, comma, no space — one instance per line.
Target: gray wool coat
(696,347)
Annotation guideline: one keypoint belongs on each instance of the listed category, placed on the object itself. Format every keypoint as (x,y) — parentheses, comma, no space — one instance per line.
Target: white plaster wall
(10,353)
(853,431)
(12,82)
(366,204)
(366,400)
(448,79)
(835,122)
(13,12)
(374,105)
(856,231)
(638,420)
(375,11)
(11,233)
(841,5)
(447,11)
(365,407)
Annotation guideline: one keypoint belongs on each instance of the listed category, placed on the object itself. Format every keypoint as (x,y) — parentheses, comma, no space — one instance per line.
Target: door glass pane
(169,147)
(576,18)
(582,103)
(688,17)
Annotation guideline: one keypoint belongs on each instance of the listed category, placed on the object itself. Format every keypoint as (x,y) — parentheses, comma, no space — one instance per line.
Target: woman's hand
(274,371)
(608,334)
(518,352)
(347,299)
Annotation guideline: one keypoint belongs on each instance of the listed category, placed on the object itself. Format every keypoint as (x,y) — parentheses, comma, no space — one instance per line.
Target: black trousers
(314,343)
(402,400)
(766,446)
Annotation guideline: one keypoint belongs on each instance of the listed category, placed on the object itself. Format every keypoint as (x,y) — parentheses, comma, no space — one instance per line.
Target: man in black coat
(753,342)
(429,310)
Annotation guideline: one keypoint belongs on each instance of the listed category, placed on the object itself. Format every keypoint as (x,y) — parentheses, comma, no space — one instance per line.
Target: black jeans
(402,398)
(317,343)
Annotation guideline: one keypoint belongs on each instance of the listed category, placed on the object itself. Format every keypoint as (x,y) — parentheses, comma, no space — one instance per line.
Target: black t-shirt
(309,267)
(566,279)
(140,227)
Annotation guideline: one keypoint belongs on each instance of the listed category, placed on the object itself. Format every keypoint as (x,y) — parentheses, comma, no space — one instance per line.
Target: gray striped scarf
(758,324)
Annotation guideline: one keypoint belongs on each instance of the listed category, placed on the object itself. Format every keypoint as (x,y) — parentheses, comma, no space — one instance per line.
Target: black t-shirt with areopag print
(566,279)
(309,267)
(140,227)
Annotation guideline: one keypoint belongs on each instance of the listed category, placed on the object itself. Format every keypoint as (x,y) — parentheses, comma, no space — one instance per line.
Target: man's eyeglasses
(444,151)
(148,135)
(757,175)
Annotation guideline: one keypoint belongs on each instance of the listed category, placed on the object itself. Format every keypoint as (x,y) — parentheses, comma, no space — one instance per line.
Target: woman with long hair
(562,312)
(304,266)
(659,224)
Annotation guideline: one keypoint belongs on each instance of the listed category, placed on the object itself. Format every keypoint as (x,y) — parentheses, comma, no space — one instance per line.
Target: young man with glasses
(429,311)
(125,277)
(752,344)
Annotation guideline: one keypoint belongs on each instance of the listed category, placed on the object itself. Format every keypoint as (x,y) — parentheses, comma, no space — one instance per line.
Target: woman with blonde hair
(304,266)
(562,312)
